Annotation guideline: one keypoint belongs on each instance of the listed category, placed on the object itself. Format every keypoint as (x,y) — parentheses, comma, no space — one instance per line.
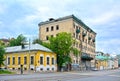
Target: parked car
(94,69)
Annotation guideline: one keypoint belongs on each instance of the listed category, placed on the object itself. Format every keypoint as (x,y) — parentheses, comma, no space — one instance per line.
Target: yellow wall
(101,63)
(36,55)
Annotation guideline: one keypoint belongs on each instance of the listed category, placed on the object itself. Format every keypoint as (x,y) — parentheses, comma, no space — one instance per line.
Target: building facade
(83,35)
(34,57)
(101,61)
(105,61)
(4,42)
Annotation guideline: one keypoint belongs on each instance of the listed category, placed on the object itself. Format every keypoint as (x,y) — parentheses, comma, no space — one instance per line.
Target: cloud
(22,17)
(108,45)
(104,18)
(2,8)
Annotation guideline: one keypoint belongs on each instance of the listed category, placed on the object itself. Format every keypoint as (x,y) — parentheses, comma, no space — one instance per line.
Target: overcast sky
(103,16)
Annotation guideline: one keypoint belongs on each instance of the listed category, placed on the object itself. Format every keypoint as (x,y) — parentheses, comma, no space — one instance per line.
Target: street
(106,75)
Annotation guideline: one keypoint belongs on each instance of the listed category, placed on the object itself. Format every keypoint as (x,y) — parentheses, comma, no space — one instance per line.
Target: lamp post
(35,62)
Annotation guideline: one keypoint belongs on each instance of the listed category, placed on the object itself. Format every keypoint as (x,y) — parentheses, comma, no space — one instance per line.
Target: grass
(5,72)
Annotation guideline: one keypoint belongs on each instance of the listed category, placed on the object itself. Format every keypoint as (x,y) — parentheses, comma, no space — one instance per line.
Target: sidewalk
(33,72)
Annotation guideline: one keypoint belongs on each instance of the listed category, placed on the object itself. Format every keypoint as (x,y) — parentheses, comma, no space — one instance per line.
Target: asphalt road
(109,75)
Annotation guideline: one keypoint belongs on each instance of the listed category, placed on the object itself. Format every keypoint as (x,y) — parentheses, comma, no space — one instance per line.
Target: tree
(2,43)
(18,41)
(2,52)
(37,41)
(75,51)
(61,45)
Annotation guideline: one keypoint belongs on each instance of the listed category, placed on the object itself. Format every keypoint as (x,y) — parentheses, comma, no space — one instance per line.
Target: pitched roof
(5,40)
(32,47)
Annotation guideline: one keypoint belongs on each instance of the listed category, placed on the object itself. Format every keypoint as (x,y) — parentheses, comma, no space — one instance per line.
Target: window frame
(53,60)
(57,27)
(8,60)
(48,60)
(25,60)
(19,60)
(13,60)
(41,60)
(52,28)
(32,60)
(47,29)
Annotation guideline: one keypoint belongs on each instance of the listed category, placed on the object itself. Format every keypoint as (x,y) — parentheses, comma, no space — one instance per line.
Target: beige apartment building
(84,36)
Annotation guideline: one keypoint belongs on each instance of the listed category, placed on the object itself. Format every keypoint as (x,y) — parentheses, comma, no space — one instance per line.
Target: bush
(5,72)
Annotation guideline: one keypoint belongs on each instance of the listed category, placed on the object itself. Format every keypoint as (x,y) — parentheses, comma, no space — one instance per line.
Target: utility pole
(29,54)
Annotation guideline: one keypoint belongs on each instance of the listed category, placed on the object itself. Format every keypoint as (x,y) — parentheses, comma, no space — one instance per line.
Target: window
(25,68)
(32,60)
(53,69)
(18,68)
(41,60)
(57,27)
(19,60)
(13,68)
(52,28)
(25,60)
(8,60)
(13,60)
(77,36)
(51,35)
(48,69)
(41,69)
(76,27)
(47,29)
(47,37)
(48,60)
(52,61)
(73,34)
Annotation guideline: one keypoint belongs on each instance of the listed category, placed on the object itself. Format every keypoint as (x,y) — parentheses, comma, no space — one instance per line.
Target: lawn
(5,72)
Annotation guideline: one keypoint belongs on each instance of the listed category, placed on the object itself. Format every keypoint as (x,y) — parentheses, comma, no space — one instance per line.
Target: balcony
(77,31)
(86,57)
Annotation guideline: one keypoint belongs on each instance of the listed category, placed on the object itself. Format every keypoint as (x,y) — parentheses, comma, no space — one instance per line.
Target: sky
(103,16)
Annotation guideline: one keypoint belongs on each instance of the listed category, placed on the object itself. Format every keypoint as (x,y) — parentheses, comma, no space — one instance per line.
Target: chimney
(51,19)
(23,46)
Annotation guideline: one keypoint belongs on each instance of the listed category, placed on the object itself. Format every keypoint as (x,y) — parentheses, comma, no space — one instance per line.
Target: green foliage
(61,45)
(75,51)
(18,41)
(5,72)
(2,52)
(37,41)
(2,43)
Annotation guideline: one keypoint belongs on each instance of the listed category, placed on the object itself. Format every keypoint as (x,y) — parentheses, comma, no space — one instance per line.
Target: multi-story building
(4,42)
(84,36)
(35,57)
